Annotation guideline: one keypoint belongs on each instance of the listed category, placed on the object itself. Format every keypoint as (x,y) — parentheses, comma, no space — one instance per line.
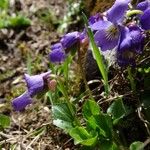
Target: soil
(26,50)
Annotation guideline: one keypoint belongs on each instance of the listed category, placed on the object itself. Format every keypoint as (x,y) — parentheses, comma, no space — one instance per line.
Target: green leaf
(63,117)
(4,121)
(92,123)
(117,110)
(108,145)
(137,146)
(4,4)
(98,56)
(104,122)
(81,136)
(90,108)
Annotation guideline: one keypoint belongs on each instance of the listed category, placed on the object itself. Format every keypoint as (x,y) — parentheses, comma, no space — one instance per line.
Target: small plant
(90,123)
(4,122)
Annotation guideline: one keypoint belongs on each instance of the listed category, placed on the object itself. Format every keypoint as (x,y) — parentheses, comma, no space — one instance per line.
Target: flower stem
(133,85)
(68,102)
(98,57)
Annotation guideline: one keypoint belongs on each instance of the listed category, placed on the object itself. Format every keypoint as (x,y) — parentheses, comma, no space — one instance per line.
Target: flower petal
(145,20)
(105,43)
(124,50)
(116,13)
(143,5)
(70,39)
(22,101)
(125,39)
(35,83)
(94,19)
(137,38)
(57,56)
(101,25)
(56,46)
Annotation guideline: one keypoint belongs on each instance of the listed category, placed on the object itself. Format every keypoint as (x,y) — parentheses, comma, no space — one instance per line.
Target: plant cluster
(123,29)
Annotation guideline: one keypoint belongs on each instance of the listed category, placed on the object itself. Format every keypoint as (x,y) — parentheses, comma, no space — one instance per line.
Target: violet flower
(35,83)
(145,17)
(56,46)
(70,39)
(22,101)
(107,31)
(131,42)
(57,55)
(143,5)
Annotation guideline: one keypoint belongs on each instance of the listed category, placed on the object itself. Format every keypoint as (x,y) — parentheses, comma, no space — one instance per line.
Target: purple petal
(116,13)
(94,19)
(83,35)
(104,42)
(101,25)
(124,50)
(125,39)
(70,39)
(57,56)
(143,5)
(137,38)
(21,102)
(56,46)
(145,20)
(35,83)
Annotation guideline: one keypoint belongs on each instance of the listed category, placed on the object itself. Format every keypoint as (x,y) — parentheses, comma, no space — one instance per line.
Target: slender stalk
(68,102)
(132,83)
(98,56)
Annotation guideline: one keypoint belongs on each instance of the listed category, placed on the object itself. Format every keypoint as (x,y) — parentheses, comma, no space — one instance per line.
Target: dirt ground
(26,50)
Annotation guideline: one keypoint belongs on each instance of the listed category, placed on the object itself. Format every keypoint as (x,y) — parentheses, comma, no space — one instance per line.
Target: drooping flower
(56,46)
(70,39)
(130,44)
(107,31)
(36,83)
(57,56)
(22,101)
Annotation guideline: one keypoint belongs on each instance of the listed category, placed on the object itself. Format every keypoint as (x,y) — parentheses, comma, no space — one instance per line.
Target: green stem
(68,102)
(133,85)
(98,56)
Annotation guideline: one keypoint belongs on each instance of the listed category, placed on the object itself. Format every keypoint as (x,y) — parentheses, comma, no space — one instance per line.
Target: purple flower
(35,83)
(94,19)
(22,101)
(130,43)
(56,46)
(145,19)
(138,36)
(107,31)
(143,5)
(70,39)
(57,56)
